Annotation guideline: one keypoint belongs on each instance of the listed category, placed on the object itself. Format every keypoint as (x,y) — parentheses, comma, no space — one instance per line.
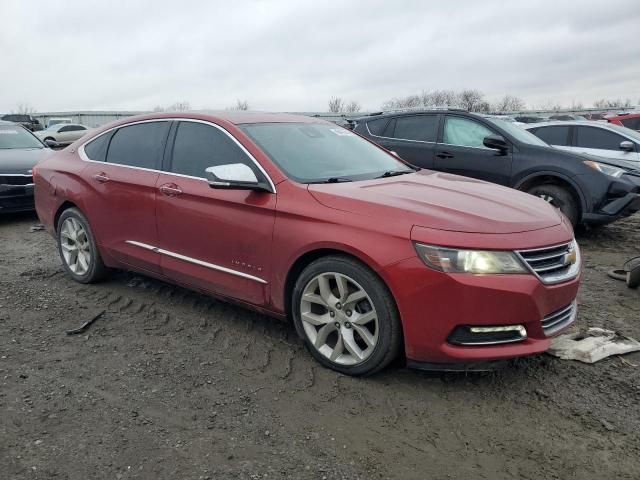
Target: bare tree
(336,105)
(550,105)
(352,107)
(241,105)
(509,103)
(471,99)
(158,108)
(612,103)
(24,109)
(182,106)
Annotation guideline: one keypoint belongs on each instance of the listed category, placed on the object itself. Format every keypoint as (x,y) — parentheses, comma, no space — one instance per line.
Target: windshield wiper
(394,173)
(334,180)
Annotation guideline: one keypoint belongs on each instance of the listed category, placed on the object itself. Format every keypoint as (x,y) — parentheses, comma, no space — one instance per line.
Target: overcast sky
(293,55)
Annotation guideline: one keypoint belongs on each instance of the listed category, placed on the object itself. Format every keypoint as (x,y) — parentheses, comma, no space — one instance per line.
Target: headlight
(606,169)
(469,261)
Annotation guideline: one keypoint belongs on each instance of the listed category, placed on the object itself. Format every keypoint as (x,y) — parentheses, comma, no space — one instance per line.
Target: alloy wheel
(339,318)
(76,249)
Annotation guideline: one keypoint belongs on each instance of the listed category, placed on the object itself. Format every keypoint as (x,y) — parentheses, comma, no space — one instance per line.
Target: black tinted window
(138,145)
(198,146)
(419,127)
(376,127)
(97,149)
(556,135)
(632,123)
(590,137)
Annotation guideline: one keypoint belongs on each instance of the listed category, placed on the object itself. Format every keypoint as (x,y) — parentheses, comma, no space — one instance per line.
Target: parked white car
(600,139)
(63,132)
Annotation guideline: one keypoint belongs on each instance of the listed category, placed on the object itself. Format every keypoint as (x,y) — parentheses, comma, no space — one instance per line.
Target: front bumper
(622,200)
(433,304)
(16,198)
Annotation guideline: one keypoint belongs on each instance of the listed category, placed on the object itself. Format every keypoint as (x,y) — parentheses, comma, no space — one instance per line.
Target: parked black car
(20,151)
(588,189)
(27,121)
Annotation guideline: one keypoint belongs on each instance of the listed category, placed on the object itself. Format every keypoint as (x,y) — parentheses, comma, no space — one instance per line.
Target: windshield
(518,133)
(312,152)
(17,137)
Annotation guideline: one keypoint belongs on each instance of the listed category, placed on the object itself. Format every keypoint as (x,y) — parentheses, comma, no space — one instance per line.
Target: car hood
(21,160)
(440,201)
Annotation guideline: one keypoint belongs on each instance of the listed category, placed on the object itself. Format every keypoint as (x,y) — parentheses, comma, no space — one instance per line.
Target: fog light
(489,335)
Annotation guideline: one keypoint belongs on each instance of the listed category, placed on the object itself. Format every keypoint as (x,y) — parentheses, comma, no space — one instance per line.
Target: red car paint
(266,236)
(629,120)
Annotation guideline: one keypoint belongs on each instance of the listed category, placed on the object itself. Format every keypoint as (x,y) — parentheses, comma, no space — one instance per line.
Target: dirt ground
(169,384)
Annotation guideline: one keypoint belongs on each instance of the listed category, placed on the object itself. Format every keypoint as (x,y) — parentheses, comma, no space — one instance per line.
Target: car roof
(564,122)
(622,116)
(236,117)
(414,111)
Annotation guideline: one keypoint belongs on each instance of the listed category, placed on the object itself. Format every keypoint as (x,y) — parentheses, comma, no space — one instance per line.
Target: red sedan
(302,219)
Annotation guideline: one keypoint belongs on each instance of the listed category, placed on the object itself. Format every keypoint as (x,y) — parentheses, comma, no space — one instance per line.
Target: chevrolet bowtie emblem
(571,257)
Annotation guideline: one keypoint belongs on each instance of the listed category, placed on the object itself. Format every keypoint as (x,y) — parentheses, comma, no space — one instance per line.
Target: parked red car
(629,120)
(297,217)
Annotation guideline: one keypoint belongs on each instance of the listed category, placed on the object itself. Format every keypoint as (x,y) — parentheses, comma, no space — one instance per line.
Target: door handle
(444,155)
(170,189)
(101,177)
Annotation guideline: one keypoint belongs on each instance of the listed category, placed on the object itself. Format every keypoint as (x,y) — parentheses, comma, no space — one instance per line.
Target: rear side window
(590,137)
(465,133)
(138,145)
(198,146)
(376,127)
(423,128)
(97,149)
(556,135)
(632,123)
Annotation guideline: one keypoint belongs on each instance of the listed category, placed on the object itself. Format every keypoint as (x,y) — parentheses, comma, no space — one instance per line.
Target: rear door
(462,151)
(122,173)
(412,137)
(216,239)
(558,136)
(603,143)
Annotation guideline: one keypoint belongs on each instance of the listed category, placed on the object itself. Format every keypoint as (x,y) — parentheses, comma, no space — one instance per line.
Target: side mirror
(53,144)
(495,142)
(627,146)
(235,176)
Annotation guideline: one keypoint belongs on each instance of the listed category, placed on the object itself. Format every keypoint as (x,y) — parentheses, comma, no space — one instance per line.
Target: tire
(73,223)
(346,315)
(560,198)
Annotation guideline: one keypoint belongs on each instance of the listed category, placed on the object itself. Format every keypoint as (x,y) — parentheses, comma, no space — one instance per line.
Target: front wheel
(78,249)
(560,198)
(346,316)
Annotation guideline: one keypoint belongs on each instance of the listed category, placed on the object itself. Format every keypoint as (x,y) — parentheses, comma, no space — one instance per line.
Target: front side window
(138,145)
(592,137)
(423,128)
(556,135)
(198,146)
(464,132)
(16,137)
(317,152)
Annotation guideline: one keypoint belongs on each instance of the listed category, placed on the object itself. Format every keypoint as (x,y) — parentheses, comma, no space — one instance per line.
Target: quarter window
(376,127)
(590,137)
(97,149)
(198,146)
(556,135)
(138,145)
(423,128)
(464,132)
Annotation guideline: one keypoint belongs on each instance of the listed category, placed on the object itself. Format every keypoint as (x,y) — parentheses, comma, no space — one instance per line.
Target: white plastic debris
(592,345)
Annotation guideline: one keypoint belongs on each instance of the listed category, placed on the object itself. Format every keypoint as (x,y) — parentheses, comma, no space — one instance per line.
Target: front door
(122,177)
(216,239)
(462,152)
(602,143)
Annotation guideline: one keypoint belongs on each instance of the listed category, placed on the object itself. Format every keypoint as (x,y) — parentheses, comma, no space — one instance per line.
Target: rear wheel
(78,249)
(560,198)
(346,316)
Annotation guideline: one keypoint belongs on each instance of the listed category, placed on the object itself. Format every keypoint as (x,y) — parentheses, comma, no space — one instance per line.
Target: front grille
(16,180)
(558,320)
(553,264)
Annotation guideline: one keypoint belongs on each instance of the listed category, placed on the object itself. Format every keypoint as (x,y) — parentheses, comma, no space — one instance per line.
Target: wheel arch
(554,178)
(67,204)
